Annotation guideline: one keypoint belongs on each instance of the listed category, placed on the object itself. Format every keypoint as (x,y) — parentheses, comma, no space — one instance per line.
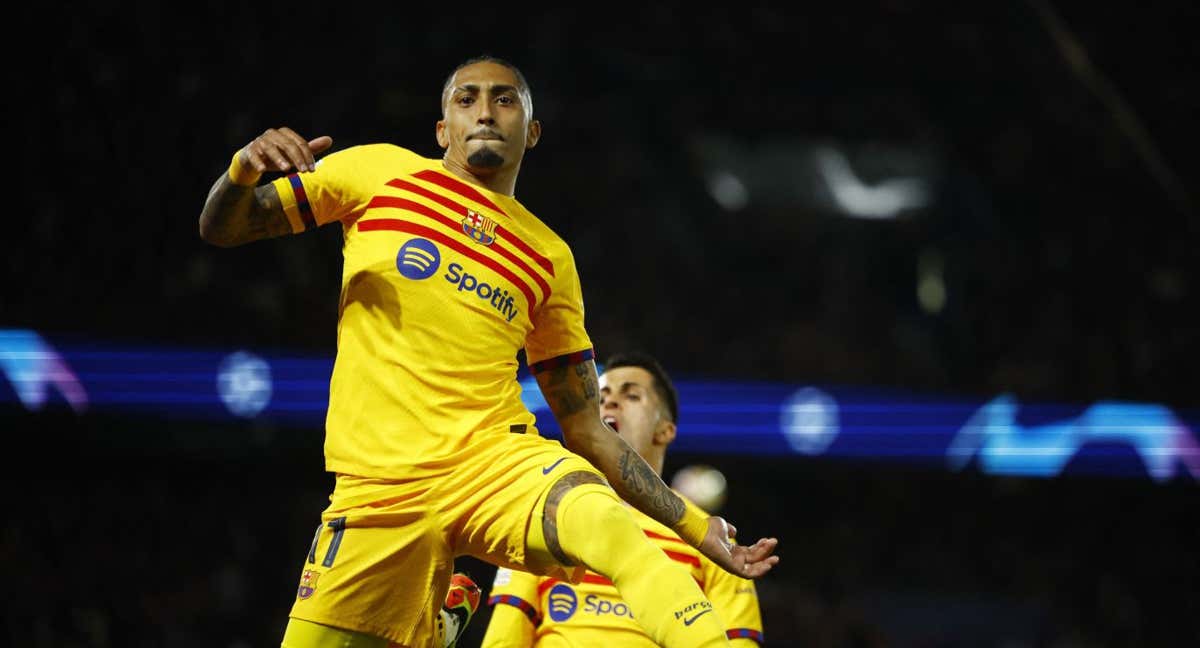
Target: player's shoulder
(382,151)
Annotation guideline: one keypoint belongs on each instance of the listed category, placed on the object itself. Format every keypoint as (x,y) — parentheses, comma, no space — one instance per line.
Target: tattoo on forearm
(640,479)
(241,215)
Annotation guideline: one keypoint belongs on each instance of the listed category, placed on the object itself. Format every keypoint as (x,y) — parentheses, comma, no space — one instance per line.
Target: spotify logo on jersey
(562,601)
(418,259)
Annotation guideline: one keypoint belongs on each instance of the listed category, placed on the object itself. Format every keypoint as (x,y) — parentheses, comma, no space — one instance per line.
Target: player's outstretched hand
(282,149)
(747,561)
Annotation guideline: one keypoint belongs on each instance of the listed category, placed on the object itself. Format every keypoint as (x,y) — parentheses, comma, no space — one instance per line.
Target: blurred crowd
(1068,269)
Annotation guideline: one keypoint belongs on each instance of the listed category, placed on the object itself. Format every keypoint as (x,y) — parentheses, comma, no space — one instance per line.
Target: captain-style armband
(693,526)
(240,174)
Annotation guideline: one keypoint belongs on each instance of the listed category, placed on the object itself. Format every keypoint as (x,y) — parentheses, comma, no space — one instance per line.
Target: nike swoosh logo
(688,622)
(547,469)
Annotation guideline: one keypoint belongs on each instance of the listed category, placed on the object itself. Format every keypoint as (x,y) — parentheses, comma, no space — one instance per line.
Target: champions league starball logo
(418,259)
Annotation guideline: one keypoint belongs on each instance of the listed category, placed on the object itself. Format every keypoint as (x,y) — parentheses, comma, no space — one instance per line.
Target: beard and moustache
(485,158)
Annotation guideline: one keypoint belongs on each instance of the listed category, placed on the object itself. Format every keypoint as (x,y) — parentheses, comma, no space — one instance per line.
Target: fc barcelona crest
(308,583)
(480,228)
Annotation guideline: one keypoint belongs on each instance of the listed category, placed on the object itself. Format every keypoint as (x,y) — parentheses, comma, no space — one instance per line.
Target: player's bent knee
(566,488)
(593,523)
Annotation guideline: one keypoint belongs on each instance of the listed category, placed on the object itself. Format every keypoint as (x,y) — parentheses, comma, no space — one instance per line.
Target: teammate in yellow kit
(446,278)
(638,400)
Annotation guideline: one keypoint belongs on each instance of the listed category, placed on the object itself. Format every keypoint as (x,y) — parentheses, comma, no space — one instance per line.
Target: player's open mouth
(612,423)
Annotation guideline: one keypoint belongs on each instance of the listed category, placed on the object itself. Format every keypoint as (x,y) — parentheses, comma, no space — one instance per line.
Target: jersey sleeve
(515,610)
(559,337)
(736,600)
(340,187)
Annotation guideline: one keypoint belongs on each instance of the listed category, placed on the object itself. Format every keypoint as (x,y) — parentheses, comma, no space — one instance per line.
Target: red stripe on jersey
(659,536)
(596,579)
(545,585)
(683,558)
(588,577)
(418,208)
(397,225)
(459,187)
(460,209)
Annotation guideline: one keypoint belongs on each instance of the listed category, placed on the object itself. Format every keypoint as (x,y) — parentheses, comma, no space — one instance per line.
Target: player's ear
(664,432)
(443,139)
(533,133)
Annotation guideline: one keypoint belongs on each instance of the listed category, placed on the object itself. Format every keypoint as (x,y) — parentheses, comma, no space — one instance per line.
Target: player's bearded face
(485,125)
(484,157)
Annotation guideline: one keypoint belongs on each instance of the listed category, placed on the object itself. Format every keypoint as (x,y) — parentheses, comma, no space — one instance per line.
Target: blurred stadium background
(926,274)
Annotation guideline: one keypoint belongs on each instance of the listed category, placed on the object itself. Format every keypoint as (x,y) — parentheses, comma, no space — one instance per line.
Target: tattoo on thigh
(550,516)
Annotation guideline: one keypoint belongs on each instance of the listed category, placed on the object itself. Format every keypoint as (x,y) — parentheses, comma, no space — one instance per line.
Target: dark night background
(1057,219)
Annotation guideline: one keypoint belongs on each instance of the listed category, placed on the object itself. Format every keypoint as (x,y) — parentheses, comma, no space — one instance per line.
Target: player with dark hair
(446,279)
(639,401)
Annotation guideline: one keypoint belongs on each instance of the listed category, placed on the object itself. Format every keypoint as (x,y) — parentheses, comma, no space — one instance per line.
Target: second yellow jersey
(592,612)
(443,284)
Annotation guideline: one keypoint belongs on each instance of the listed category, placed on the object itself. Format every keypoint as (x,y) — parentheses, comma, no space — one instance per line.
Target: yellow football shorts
(380,563)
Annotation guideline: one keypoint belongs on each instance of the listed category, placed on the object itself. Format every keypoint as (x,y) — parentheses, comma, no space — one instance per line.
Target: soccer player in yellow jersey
(638,400)
(446,278)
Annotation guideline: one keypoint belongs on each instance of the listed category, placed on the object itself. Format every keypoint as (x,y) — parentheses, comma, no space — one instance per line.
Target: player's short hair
(662,382)
(522,84)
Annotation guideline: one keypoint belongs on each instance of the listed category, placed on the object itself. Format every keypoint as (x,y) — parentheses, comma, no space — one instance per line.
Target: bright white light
(702,484)
(244,383)
(882,201)
(809,420)
(728,190)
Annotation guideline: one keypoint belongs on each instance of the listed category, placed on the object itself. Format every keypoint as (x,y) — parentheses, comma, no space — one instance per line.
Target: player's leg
(375,568)
(584,522)
(497,499)
(306,634)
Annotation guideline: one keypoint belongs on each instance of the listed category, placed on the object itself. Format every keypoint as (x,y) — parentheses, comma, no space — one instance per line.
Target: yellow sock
(662,595)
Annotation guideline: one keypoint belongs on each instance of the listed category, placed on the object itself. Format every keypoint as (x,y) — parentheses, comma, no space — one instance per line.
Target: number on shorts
(339,528)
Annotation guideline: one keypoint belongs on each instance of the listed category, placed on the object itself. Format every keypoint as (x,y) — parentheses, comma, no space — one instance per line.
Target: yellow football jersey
(592,613)
(443,283)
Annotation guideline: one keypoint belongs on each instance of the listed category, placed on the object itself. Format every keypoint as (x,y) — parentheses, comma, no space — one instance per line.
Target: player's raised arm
(572,392)
(236,210)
